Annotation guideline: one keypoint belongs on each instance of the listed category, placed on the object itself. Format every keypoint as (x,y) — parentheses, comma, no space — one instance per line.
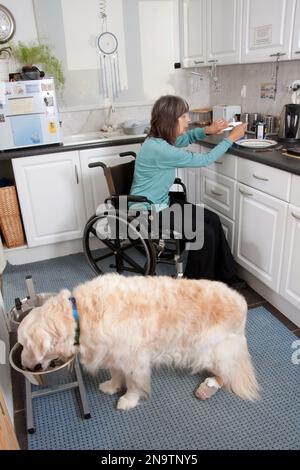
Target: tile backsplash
(233,77)
(200,92)
(78,122)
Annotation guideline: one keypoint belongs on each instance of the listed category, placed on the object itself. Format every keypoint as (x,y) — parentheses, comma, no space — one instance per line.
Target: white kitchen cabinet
(218,192)
(94,183)
(296,33)
(267,29)
(51,197)
(210,30)
(290,276)
(260,227)
(192,20)
(224,28)
(225,165)
(270,180)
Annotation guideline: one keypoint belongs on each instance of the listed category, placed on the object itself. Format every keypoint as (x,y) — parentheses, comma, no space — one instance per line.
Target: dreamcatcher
(109,62)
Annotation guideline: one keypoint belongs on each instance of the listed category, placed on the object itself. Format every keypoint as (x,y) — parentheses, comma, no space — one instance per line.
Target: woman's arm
(173,157)
(190,137)
(199,133)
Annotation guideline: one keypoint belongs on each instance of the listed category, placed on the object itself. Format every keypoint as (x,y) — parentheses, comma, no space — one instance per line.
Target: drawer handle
(219,163)
(215,193)
(76,174)
(296,216)
(278,54)
(245,193)
(198,61)
(261,178)
(297,52)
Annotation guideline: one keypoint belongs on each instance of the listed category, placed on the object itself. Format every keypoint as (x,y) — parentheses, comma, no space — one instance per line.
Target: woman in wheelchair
(154,174)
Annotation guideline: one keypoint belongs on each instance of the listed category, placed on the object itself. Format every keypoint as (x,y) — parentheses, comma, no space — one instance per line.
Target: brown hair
(165,113)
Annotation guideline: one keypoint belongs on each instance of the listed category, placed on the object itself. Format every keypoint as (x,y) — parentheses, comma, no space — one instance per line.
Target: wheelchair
(113,241)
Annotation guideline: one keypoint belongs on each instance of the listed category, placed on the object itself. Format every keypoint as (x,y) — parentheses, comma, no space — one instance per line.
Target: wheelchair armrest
(96,164)
(127,154)
(130,198)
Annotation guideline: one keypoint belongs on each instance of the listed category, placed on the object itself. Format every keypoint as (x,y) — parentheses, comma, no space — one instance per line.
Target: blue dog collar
(76,316)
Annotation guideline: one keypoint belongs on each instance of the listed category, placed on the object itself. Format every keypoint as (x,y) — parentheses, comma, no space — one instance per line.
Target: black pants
(214,260)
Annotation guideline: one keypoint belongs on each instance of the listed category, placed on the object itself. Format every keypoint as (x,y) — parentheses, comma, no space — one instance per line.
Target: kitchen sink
(90,137)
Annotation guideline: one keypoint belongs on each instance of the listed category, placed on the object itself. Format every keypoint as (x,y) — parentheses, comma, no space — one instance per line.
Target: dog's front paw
(109,387)
(125,403)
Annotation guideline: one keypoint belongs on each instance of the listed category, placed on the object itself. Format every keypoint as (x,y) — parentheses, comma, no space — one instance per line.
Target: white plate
(256,143)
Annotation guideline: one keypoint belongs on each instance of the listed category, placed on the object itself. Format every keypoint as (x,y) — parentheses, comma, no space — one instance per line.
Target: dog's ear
(40,343)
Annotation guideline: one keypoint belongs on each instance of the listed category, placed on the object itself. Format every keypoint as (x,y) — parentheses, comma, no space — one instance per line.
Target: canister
(260,130)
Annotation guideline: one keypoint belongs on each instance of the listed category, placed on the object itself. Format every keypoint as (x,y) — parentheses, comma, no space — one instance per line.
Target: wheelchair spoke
(100,258)
(133,263)
(132,253)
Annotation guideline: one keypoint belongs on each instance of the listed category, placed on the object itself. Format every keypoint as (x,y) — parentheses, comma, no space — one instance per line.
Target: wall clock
(7,25)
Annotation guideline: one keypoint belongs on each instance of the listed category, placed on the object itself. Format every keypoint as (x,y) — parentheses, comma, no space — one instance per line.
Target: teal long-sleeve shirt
(157,160)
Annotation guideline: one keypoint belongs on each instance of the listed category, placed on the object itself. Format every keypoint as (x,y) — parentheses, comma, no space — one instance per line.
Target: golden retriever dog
(130,324)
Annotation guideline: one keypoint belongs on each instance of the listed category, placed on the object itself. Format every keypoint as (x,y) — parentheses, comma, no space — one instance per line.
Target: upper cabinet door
(267,29)
(296,35)
(192,15)
(224,24)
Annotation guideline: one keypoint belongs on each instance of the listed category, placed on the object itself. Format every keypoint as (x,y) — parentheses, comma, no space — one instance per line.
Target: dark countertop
(272,158)
(55,148)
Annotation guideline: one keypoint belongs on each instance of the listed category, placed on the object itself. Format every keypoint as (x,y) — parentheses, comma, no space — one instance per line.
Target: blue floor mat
(172,418)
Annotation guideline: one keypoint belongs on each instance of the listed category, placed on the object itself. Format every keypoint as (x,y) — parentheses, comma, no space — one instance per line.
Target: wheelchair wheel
(112,243)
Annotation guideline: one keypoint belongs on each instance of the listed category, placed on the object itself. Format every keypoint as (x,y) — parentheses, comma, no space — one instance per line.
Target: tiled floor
(253,300)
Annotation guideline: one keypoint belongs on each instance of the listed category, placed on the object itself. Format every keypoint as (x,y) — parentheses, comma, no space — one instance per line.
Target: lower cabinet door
(227,225)
(290,275)
(51,197)
(259,236)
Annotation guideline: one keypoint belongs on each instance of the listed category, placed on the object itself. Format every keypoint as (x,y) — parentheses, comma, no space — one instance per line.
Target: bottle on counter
(260,130)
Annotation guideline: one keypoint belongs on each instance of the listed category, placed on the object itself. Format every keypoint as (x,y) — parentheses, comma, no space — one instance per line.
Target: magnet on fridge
(52,127)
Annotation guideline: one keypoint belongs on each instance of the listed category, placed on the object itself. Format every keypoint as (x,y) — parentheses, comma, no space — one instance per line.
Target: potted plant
(33,54)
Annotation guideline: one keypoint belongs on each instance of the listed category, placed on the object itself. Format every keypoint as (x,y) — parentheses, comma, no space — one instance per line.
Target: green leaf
(33,53)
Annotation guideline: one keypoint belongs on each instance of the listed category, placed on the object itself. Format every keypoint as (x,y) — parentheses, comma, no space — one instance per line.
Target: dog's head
(46,333)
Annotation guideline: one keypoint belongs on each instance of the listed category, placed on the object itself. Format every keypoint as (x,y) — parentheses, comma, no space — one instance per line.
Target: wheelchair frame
(135,253)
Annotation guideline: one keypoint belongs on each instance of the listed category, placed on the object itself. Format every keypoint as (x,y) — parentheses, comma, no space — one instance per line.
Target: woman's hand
(216,126)
(237,132)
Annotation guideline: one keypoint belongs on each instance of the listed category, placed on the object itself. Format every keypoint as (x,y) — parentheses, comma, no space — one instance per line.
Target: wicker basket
(10,218)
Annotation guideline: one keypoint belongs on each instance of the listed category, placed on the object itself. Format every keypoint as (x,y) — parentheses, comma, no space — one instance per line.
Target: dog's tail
(235,367)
